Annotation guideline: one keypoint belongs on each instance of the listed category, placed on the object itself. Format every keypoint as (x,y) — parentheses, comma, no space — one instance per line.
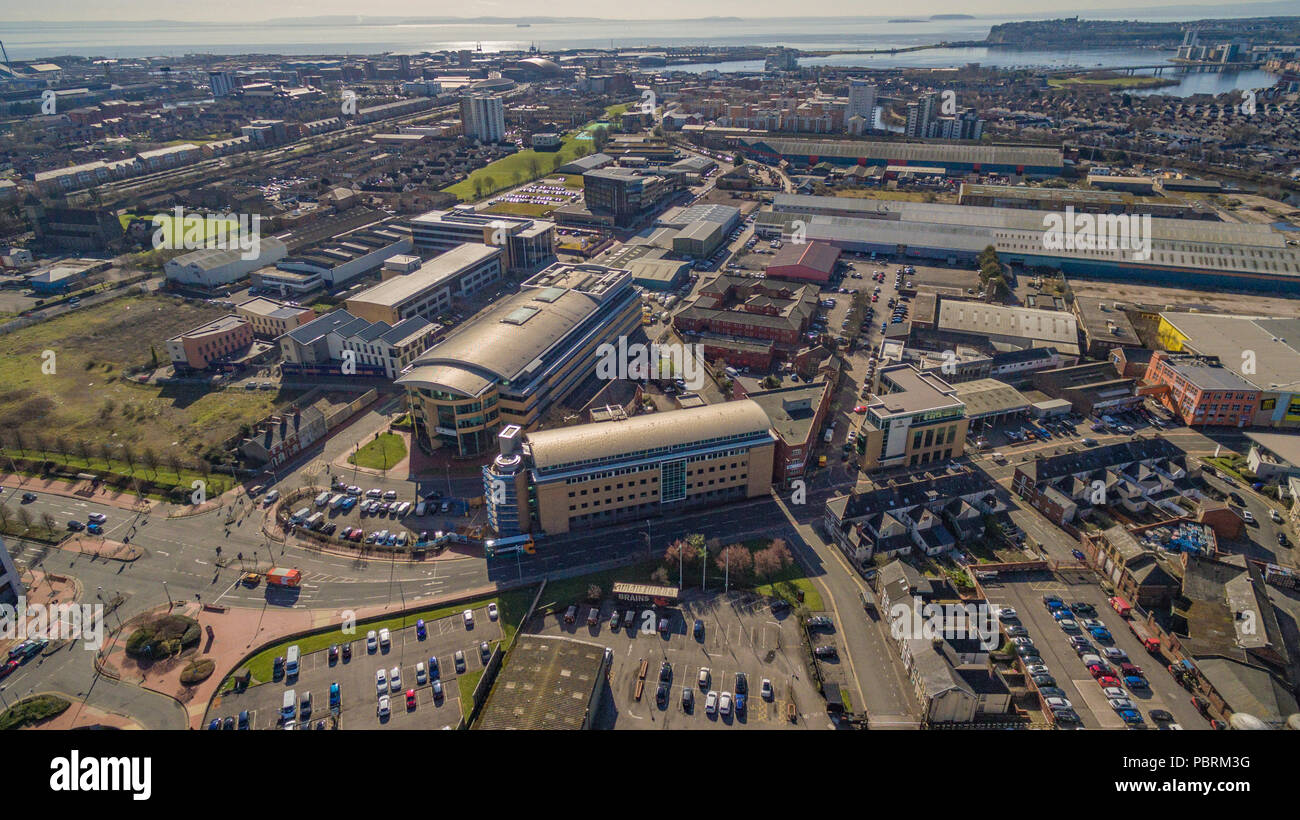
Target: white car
(705,677)
(381,682)
(384,638)
(1067,625)
(766,689)
(469,619)
(420,674)
(269,498)
(1247,516)
(711,703)
(1115,653)
(371,642)
(1112,692)
(1120,703)
(395,678)
(1059,703)
(1272,513)
(1007,613)
(724,703)
(1038,669)
(383,708)
(492,612)
(97,518)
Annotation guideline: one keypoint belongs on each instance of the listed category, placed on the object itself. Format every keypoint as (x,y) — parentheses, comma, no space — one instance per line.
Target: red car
(9,667)
(1099,671)
(410,699)
(861,408)
(1108,680)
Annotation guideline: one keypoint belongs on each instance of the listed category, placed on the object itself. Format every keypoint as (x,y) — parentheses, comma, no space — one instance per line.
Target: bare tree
(736,561)
(174,462)
(25,518)
(106,453)
(61,445)
(6,516)
(150,459)
(83,450)
(47,521)
(20,442)
(128,455)
(39,444)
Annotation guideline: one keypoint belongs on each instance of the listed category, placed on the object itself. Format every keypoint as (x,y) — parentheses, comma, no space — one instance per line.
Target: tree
(478,187)
(490,183)
(40,444)
(174,462)
(128,454)
(25,518)
(150,459)
(593,592)
(534,165)
(736,561)
(83,450)
(772,559)
(106,453)
(20,442)
(61,445)
(6,516)
(47,521)
(690,556)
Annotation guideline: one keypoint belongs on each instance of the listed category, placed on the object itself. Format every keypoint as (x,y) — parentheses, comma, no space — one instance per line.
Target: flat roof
(432,274)
(1275,340)
(912,392)
(547,682)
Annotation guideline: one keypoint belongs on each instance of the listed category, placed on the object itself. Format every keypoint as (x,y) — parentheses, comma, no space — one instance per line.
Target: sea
(361,35)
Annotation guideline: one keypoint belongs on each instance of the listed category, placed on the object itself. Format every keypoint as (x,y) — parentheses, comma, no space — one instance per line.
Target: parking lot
(439,514)
(1024,593)
(740,634)
(356,679)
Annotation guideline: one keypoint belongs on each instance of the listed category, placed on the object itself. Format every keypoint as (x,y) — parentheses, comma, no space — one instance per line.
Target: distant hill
(1075,32)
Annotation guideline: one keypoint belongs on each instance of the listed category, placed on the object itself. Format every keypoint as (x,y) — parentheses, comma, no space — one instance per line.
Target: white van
(314,521)
(419,508)
(291,662)
(337,501)
(300,515)
(323,499)
(290,708)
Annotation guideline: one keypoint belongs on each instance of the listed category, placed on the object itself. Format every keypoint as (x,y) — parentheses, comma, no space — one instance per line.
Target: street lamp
(169,596)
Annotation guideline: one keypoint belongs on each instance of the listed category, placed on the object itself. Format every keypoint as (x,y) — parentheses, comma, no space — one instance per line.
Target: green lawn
(517,169)
(467,683)
(217,483)
(1135,81)
(381,453)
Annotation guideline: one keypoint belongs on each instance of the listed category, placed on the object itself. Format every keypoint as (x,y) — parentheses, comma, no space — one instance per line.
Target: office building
(271,319)
(634,468)
(429,290)
(213,267)
(526,243)
(217,341)
(484,116)
(626,194)
(527,354)
(377,348)
(914,419)
(920,114)
(1201,391)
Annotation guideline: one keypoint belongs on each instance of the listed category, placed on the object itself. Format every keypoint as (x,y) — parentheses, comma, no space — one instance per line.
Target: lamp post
(169,596)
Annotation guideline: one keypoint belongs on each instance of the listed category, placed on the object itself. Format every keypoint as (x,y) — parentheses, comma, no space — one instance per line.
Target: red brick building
(805,262)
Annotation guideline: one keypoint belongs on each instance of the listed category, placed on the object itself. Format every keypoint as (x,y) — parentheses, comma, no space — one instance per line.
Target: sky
(253,10)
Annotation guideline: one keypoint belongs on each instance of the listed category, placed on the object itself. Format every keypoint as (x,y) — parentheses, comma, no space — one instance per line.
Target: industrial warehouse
(1177,252)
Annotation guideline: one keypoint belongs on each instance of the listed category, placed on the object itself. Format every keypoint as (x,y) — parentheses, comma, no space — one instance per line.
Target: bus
(510,545)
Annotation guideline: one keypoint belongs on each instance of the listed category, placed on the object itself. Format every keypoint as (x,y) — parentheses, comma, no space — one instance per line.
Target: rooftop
(548,683)
(438,271)
(911,392)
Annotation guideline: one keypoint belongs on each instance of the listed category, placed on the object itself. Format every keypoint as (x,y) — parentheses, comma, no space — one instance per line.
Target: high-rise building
(920,114)
(862,101)
(483,116)
(222,82)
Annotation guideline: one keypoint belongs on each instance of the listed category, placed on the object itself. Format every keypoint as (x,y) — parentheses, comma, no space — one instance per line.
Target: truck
(1121,606)
(1144,635)
(314,521)
(282,577)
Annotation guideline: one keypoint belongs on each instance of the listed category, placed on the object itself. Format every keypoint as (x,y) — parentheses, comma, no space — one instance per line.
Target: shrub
(163,637)
(196,672)
(32,710)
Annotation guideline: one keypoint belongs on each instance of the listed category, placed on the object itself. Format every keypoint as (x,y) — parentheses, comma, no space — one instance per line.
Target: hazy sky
(247,10)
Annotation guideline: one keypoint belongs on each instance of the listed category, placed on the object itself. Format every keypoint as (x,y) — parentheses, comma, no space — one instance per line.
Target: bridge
(1160,68)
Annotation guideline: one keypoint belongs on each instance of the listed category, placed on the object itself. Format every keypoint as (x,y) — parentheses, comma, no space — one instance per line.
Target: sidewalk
(79,715)
(101,548)
(44,589)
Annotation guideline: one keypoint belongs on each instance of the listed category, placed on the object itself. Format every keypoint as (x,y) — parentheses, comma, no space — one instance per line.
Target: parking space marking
(1098,705)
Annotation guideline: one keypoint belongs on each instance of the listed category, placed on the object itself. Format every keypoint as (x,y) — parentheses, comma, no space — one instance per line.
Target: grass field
(62,379)
(1135,81)
(516,168)
(380,453)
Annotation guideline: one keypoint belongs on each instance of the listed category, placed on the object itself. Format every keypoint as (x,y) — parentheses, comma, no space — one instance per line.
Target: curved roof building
(540,66)
(518,359)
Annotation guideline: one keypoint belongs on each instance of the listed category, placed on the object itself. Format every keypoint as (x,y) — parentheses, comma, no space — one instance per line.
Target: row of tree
(737,560)
(28,445)
(992,279)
